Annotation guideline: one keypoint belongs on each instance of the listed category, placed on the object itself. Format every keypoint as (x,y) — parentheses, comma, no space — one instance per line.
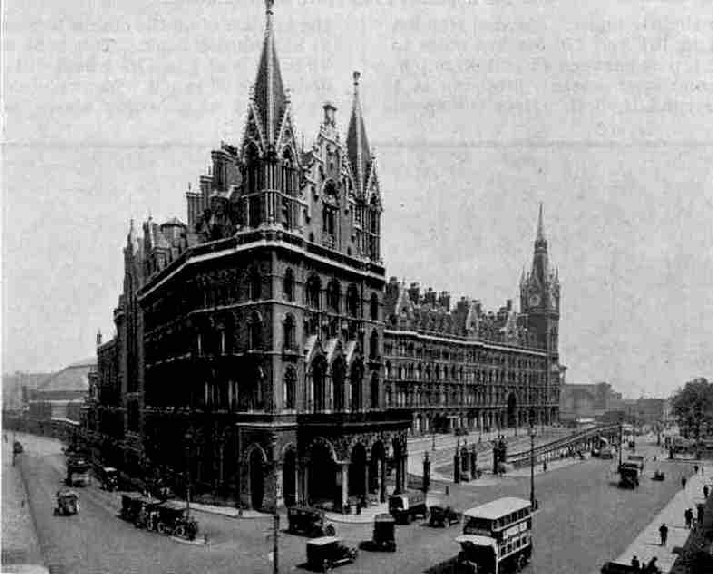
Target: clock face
(534,299)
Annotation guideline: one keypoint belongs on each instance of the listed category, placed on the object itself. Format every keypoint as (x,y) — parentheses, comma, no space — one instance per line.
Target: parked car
(383,538)
(108,478)
(407,506)
(17,447)
(327,552)
(443,516)
(172,518)
(308,520)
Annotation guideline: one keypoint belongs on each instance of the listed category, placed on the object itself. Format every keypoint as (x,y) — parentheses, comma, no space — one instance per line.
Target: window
(314,286)
(288,285)
(352,301)
(374,345)
(333,295)
(374,391)
(289,388)
(374,307)
(338,384)
(355,382)
(289,331)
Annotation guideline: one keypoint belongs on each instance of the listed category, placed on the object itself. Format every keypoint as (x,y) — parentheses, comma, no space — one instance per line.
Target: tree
(693,407)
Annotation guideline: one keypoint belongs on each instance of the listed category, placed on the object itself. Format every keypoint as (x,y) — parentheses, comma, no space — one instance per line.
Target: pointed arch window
(374,345)
(374,391)
(289,332)
(254,285)
(338,384)
(352,301)
(355,377)
(333,296)
(374,307)
(288,285)
(314,286)
(318,372)
(289,388)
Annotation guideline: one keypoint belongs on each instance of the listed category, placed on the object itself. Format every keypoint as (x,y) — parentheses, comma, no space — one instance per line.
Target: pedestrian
(635,563)
(699,514)
(688,517)
(544,466)
(683,482)
(695,469)
(706,490)
(663,531)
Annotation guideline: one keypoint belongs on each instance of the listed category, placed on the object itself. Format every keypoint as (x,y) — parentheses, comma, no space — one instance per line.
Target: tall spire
(269,92)
(357,143)
(540,228)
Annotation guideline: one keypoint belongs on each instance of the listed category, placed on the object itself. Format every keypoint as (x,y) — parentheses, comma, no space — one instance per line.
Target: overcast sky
(478,111)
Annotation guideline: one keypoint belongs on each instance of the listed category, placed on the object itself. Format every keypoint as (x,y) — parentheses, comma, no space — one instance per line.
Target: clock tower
(540,295)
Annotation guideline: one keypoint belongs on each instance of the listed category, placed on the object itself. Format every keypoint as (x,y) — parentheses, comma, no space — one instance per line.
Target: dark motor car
(67,502)
(173,518)
(132,507)
(308,520)
(443,516)
(628,475)
(327,552)
(383,538)
(108,478)
(17,447)
(407,506)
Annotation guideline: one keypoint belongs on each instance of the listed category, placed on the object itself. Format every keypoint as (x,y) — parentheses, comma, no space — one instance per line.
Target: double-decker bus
(497,537)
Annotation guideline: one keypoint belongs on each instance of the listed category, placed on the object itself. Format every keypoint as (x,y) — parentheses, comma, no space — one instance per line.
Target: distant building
(62,394)
(648,411)
(592,400)
(17,386)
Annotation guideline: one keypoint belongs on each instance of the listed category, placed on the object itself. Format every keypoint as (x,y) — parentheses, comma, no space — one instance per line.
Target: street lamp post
(533,502)
(188,439)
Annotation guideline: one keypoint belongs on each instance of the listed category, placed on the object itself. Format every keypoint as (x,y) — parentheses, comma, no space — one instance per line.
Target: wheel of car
(161,527)
(329,530)
(180,531)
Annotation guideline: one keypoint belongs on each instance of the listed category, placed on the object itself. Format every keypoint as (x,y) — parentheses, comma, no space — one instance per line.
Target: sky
(477,111)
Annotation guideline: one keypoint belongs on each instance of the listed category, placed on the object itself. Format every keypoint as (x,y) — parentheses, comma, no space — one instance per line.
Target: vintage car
(77,472)
(658,475)
(383,537)
(443,516)
(308,520)
(173,518)
(327,552)
(108,478)
(637,460)
(17,447)
(67,502)
(133,507)
(628,475)
(407,506)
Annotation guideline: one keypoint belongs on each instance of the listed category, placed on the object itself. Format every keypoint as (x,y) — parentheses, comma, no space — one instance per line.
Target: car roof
(498,508)
(323,540)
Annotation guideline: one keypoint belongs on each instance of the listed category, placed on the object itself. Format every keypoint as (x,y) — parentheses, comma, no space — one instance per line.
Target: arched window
(254,285)
(352,301)
(290,381)
(374,391)
(338,384)
(314,286)
(374,345)
(288,285)
(255,331)
(318,371)
(374,307)
(289,331)
(333,296)
(355,383)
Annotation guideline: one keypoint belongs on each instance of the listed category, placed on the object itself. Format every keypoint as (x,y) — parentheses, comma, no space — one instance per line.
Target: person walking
(635,563)
(699,514)
(683,482)
(706,490)
(663,531)
(688,517)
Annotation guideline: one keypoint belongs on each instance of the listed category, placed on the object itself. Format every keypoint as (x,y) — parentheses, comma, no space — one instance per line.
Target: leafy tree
(693,406)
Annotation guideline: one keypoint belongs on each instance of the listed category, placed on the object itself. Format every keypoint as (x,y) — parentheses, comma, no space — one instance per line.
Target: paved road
(585,520)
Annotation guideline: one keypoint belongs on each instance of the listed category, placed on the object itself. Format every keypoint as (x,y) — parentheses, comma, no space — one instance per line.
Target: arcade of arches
(326,473)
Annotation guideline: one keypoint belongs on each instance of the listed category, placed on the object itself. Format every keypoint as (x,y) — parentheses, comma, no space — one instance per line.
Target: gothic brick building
(251,339)
(463,367)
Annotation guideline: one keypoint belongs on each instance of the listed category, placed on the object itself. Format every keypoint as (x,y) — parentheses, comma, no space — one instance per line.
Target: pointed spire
(357,142)
(540,228)
(269,93)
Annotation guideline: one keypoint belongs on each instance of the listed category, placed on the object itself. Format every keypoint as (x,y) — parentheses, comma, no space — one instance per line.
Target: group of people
(649,568)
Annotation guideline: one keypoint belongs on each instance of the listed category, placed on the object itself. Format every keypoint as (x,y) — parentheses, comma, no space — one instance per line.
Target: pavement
(647,544)
(19,536)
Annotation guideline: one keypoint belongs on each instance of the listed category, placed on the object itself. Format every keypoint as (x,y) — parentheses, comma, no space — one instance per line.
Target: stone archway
(256,463)
(358,472)
(512,411)
(377,471)
(322,468)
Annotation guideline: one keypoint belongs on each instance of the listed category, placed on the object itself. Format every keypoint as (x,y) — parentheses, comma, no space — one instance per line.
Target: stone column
(382,480)
(345,484)
(279,498)
(367,465)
